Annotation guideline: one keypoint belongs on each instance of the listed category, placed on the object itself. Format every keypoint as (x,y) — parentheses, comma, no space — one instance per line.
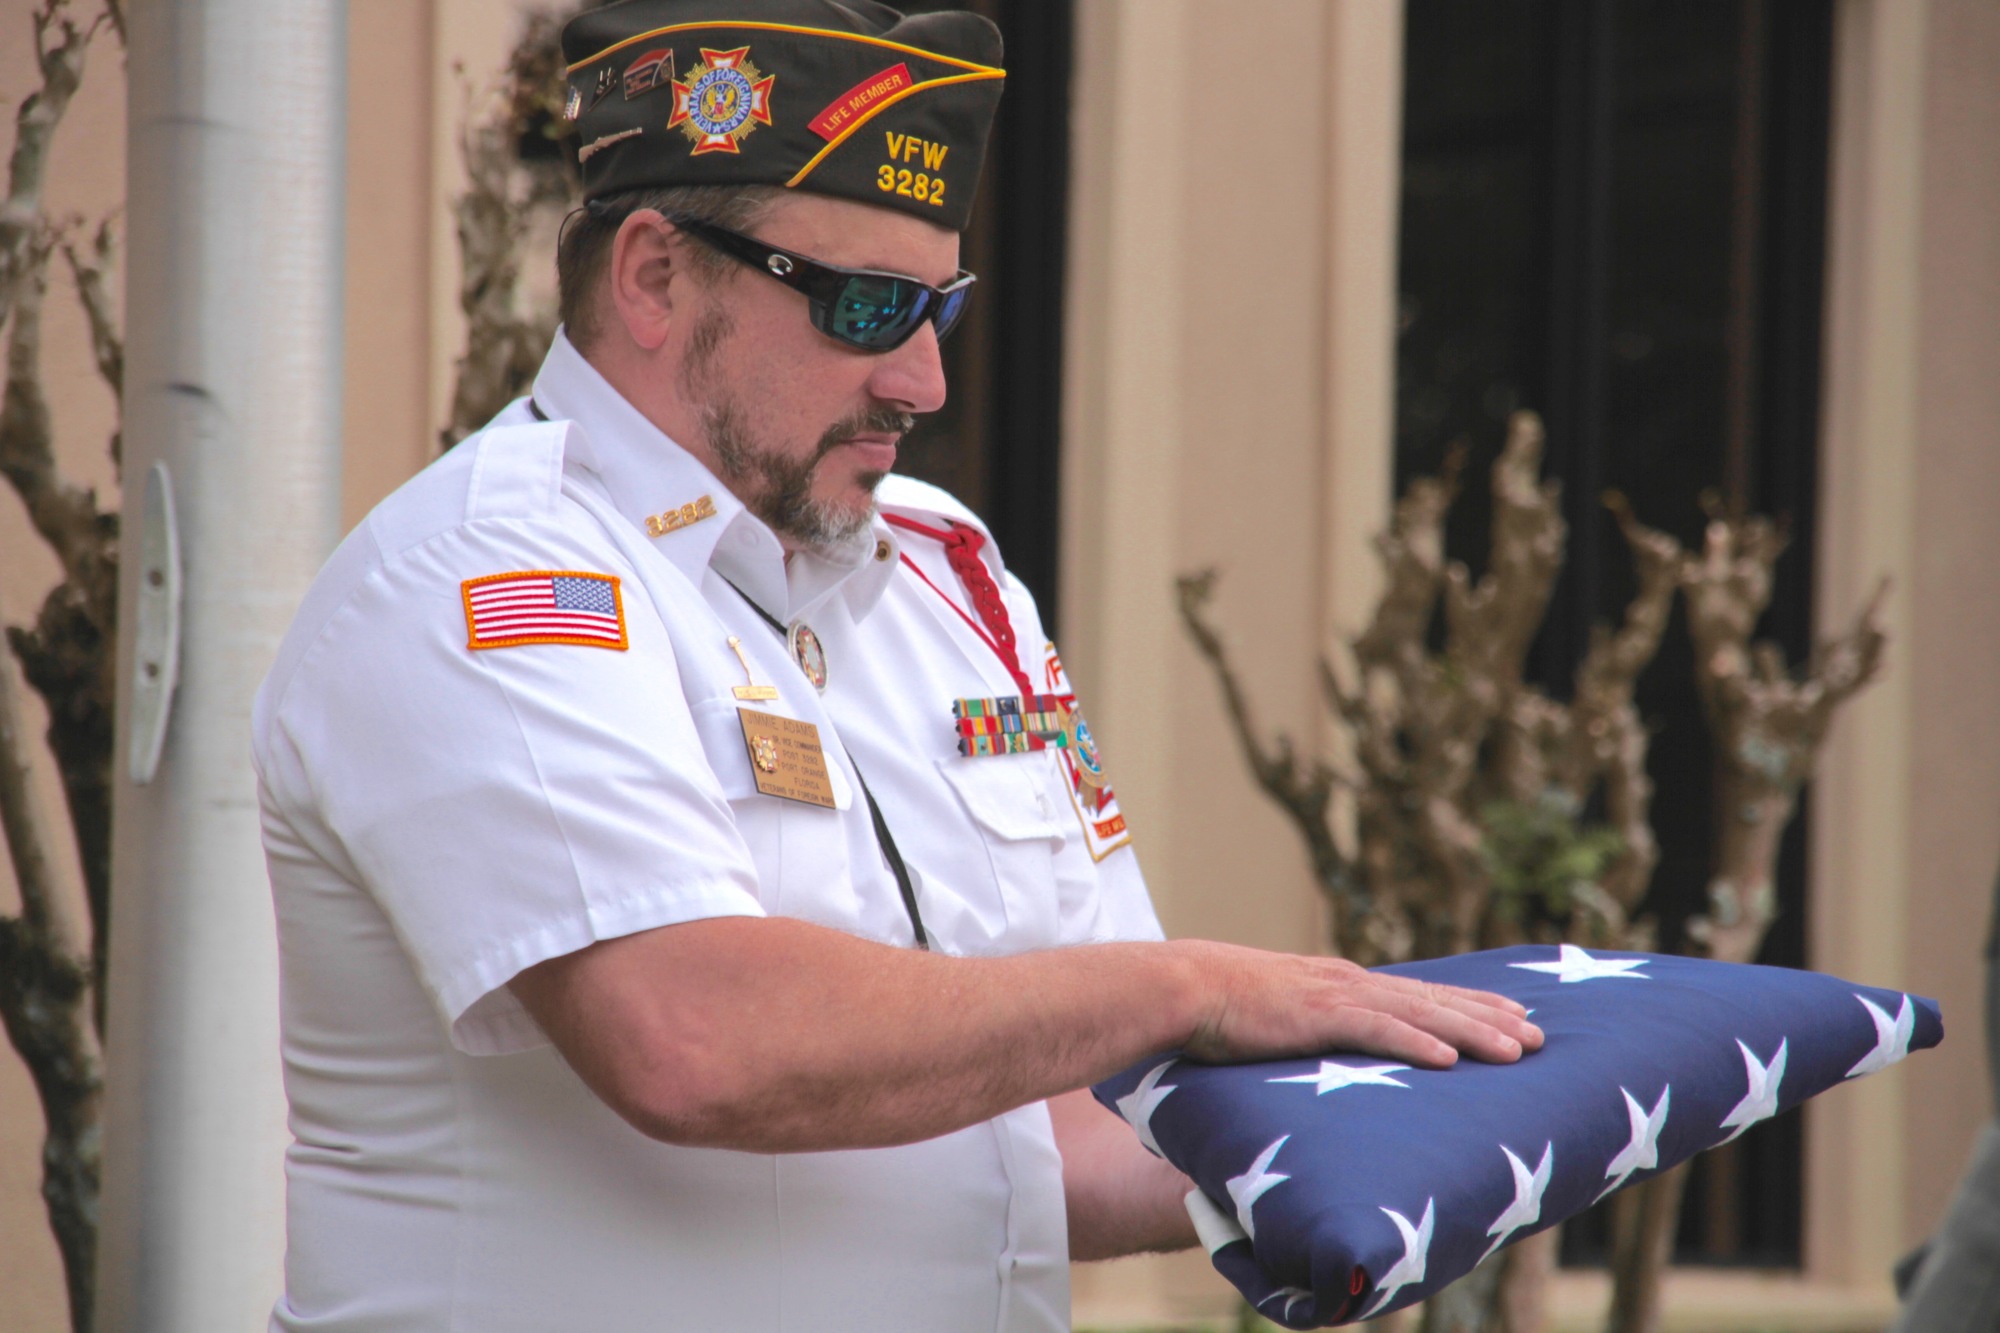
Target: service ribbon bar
(1011,725)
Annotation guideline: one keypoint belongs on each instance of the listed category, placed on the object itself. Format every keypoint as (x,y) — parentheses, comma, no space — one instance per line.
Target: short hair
(584,248)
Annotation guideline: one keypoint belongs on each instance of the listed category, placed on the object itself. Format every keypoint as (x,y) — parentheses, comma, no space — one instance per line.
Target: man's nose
(912,376)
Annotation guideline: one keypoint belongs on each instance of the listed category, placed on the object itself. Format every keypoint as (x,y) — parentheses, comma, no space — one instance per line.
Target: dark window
(996,444)
(1613,212)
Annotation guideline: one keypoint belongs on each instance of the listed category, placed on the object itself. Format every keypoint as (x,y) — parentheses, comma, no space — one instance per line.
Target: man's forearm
(774,1035)
(777,1036)
(1120,1199)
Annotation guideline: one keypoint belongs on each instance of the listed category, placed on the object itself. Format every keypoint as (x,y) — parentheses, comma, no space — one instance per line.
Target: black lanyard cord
(890,852)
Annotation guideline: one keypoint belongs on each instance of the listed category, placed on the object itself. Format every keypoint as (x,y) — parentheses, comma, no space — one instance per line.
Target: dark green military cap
(850,99)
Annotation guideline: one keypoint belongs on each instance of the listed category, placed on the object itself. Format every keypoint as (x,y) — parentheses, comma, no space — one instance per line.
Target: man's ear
(647,276)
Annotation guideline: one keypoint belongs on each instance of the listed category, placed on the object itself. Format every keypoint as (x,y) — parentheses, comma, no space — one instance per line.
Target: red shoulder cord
(962,544)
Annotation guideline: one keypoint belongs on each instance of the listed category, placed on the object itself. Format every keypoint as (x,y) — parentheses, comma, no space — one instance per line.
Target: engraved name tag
(785,758)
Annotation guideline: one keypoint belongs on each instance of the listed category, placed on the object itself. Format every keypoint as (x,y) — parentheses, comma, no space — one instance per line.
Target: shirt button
(882,551)
(1042,804)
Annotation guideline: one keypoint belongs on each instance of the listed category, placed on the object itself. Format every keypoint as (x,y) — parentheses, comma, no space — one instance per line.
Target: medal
(808,653)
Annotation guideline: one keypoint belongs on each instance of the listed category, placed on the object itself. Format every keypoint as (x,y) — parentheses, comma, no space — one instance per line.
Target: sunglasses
(877,312)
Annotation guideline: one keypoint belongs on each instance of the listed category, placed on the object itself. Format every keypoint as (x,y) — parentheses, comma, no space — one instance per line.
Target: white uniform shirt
(437,819)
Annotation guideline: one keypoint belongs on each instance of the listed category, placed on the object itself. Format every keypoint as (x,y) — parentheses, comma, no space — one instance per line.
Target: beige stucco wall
(1242,423)
(1953,652)
(1905,838)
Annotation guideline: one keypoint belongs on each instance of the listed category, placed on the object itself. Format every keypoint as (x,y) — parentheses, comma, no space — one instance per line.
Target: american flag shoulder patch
(544,606)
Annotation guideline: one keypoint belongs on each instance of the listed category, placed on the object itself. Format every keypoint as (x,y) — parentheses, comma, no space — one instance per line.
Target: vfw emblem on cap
(721,101)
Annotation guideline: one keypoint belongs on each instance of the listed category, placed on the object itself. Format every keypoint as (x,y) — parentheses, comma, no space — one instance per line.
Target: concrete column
(1855,1157)
(1364,148)
(1364,145)
(233,378)
(1122,395)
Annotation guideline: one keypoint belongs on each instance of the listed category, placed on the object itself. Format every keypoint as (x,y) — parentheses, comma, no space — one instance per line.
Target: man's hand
(1264,1006)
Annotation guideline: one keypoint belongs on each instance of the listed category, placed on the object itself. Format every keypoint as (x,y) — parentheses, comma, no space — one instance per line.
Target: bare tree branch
(45,984)
(48,982)
(1768,726)
(66,656)
(1493,624)
(92,276)
(1609,737)
(60,47)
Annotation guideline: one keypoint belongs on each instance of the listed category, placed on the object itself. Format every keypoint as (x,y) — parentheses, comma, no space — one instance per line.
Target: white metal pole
(233,312)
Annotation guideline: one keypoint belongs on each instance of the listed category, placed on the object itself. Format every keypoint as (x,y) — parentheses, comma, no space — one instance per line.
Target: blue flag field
(1342,1188)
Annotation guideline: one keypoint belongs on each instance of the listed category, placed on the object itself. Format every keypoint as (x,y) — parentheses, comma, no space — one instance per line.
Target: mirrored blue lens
(954,306)
(874,311)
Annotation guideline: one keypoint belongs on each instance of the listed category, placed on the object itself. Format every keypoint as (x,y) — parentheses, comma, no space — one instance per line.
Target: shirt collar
(690,516)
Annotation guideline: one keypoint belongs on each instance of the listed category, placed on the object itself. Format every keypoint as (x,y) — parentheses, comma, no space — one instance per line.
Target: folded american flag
(1342,1188)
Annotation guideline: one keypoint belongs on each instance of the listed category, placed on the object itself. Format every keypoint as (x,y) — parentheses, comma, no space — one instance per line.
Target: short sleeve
(511,804)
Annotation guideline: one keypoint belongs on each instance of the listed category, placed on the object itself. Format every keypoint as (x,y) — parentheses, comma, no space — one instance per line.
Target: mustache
(868,421)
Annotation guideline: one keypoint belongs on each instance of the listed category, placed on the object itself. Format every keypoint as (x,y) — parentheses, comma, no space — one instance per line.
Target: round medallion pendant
(808,653)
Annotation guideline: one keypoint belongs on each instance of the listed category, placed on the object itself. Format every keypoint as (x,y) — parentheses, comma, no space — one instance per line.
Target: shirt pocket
(801,851)
(719,724)
(1022,831)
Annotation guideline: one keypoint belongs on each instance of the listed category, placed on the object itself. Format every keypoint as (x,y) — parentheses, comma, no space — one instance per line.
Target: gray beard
(777,487)
(773,485)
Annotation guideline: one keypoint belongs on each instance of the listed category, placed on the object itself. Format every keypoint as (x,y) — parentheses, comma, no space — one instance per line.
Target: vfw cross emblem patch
(721,100)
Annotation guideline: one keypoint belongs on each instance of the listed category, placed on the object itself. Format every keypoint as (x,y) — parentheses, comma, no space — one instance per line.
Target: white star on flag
(1526,1210)
(1254,1184)
(1138,1105)
(1333,1077)
(1573,964)
(1409,1268)
(1643,1152)
(1892,1038)
(1292,1295)
(1761,1101)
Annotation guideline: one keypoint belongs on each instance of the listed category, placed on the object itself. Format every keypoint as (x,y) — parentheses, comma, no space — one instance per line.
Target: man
(655,955)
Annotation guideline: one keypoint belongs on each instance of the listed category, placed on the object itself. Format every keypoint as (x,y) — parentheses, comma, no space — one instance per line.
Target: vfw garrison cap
(850,99)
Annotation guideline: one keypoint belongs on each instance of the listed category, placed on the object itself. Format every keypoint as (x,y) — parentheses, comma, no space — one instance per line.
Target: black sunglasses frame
(824,285)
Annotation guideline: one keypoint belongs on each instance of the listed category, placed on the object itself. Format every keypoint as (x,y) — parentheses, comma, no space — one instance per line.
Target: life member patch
(846,111)
(544,606)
